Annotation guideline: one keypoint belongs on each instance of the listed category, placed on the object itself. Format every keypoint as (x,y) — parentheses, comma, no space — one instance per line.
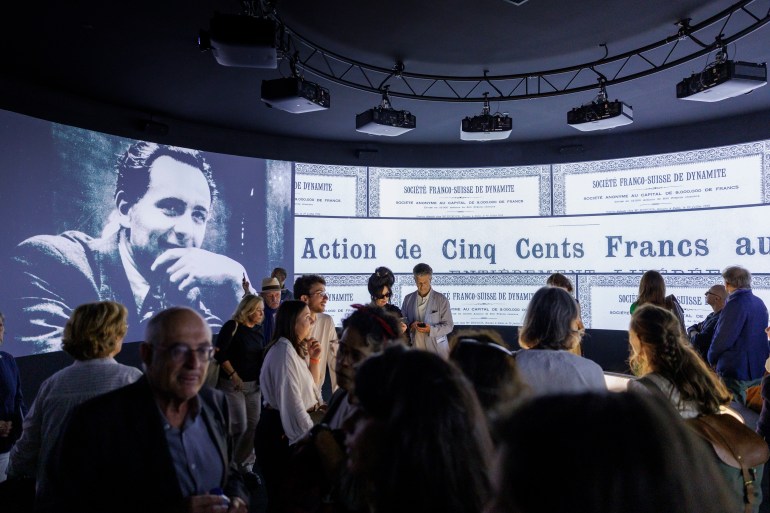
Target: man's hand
(5,428)
(212,504)
(187,268)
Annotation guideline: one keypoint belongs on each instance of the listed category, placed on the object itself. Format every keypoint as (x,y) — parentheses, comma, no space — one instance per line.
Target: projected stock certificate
(492,241)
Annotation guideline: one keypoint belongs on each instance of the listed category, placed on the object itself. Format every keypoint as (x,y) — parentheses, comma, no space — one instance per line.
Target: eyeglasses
(179,353)
(709,293)
(387,295)
(319,293)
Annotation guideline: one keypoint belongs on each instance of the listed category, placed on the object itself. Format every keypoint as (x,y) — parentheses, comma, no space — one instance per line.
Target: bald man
(161,444)
(702,333)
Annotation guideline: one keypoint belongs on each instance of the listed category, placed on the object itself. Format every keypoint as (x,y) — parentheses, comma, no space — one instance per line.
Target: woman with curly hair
(668,366)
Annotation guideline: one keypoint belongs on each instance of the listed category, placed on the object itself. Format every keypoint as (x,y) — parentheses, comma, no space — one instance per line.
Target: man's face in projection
(172,213)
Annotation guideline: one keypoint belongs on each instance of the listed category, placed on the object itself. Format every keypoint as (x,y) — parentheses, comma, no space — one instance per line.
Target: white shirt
(421,305)
(324,332)
(287,386)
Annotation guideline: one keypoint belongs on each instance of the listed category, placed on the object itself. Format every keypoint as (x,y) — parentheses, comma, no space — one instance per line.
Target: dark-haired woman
(289,395)
(419,440)
(380,287)
(668,366)
(485,360)
(652,290)
(548,334)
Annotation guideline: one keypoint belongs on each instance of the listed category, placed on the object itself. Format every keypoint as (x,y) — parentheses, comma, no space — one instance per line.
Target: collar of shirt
(140,287)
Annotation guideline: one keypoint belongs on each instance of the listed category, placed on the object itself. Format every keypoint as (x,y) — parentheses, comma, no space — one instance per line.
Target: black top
(244,350)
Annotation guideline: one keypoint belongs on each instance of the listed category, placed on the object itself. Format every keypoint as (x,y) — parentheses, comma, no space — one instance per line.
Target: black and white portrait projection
(494,235)
(92,217)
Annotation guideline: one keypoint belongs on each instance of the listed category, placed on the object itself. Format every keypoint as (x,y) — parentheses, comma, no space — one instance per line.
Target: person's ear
(124,208)
(304,298)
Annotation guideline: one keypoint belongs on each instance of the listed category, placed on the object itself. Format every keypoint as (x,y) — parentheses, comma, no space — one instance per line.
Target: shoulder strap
(734,444)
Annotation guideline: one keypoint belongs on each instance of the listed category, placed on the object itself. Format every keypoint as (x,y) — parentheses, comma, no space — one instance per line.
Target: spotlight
(385,120)
(486,126)
(601,113)
(241,41)
(722,79)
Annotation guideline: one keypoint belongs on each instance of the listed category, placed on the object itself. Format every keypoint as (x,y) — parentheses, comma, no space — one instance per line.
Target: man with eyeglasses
(161,444)
(311,288)
(701,333)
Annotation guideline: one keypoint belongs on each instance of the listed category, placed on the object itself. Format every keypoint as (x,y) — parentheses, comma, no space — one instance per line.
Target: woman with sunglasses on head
(380,287)
(289,396)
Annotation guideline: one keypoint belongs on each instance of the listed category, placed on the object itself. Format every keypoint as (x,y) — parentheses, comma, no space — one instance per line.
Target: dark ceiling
(143,56)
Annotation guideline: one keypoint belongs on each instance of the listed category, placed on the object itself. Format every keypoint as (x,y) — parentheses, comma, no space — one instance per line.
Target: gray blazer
(438,316)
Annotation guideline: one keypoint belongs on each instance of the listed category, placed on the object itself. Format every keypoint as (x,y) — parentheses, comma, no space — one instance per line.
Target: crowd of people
(420,416)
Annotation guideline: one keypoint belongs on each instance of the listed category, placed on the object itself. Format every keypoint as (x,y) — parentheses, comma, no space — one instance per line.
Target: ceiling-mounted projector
(486,126)
(295,95)
(722,80)
(600,115)
(241,41)
(385,120)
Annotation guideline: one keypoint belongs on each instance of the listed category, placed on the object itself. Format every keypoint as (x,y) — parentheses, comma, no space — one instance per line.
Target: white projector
(486,127)
(600,116)
(295,95)
(721,81)
(241,41)
(385,121)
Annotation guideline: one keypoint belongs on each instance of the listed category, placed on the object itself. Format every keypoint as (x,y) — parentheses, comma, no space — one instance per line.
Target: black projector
(295,95)
(385,121)
(722,80)
(486,127)
(241,41)
(600,115)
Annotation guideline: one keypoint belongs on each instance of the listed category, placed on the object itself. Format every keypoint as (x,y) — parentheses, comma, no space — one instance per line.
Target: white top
(420,339)
(287,386)
(324,332)
(57,397)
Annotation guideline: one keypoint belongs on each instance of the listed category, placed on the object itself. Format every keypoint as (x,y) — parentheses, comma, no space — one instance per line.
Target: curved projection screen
(74,233)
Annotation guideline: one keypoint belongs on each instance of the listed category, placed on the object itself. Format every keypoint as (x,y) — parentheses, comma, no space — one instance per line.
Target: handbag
(736,446)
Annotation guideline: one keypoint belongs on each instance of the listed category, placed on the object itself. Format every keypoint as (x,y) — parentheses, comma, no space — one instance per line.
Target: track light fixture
(384,119)
(601,113)
(486,126)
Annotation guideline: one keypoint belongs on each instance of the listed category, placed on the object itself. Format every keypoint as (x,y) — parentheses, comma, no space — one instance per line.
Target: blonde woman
(92,336)
(240,347)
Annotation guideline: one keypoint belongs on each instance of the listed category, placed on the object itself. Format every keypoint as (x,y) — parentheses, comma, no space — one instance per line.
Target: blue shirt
(197,461)
(12,405)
